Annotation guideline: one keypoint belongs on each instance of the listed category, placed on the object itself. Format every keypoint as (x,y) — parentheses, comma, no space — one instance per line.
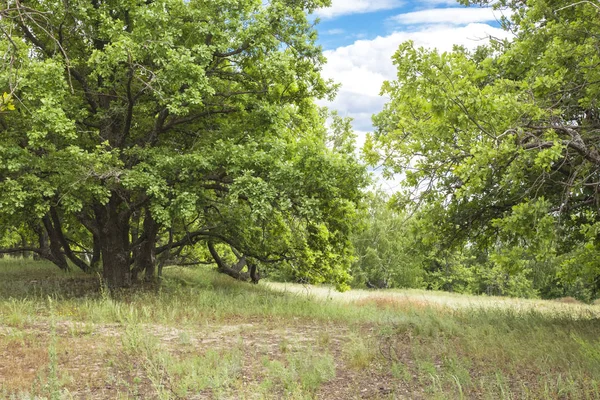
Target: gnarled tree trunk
(54,251)
(114,244)
(235,271)
(145,254)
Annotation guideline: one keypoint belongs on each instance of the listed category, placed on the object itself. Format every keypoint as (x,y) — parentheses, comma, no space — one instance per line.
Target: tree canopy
(499,147)
(149,128)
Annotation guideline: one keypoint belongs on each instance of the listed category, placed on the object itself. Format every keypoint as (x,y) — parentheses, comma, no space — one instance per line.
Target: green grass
(201,334)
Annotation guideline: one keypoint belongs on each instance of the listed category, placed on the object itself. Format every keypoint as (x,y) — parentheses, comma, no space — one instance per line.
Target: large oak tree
(145,127)
(501,147)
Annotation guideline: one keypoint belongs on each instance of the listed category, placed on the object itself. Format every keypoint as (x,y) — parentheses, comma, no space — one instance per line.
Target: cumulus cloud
(346,7)
(363,66)
(453,16)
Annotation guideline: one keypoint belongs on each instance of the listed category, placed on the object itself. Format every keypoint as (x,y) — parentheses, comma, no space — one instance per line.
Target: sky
(359,38)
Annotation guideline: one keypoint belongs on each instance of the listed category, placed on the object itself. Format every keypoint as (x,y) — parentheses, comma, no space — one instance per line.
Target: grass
(202,335)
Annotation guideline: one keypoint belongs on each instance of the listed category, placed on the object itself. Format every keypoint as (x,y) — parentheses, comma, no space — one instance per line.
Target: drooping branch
(194,117)
(89,223)
(188,239)
(580,147)
(57,226)
(242,262)
(54,253)
(576,142)
(21,250)
(42,47)
(226,269)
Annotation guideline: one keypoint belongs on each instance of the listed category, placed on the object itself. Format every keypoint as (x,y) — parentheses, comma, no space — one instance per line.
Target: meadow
(201,335)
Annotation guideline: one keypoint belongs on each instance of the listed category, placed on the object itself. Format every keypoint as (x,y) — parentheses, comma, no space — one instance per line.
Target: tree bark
(254,275)
(166,252)
(234,271)
(54,252)
(136,244)
(96,253)
(55,218)
(42,241)
(24,253)
(145,254)
(114,244)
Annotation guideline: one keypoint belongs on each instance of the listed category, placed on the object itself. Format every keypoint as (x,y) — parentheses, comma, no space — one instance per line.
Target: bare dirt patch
(92,361)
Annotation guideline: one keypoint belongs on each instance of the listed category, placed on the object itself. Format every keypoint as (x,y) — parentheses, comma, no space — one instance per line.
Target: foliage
(396,250)
(152,127)
(498,147)
(385,248)
(6,103)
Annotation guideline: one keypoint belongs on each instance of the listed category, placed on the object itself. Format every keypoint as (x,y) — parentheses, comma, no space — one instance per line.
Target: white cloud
(345,7)
(453,16)
(362,66)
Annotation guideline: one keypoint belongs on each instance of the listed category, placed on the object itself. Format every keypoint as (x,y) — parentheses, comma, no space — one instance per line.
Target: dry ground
(93,361)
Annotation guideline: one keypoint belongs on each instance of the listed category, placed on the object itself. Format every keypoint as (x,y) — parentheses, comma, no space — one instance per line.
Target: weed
(301,375)
(53,385)
(359,352)
(401,371)
(184,338)
(324,338)
(284,345)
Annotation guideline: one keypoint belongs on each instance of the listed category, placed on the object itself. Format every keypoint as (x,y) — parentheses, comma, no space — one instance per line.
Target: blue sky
(347,21)
(346,29)
(360,36)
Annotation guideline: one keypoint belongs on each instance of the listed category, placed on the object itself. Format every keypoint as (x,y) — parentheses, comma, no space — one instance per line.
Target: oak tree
(146,127)
(500,147)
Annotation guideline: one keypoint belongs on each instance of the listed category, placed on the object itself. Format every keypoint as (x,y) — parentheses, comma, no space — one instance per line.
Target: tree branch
(65,243)
(22,249)
(224,268)
(237,51)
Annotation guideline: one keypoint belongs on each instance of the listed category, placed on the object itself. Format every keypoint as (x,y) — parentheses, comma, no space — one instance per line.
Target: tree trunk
(114,245)
(145,257)
(96,253)
(135,250)
(42,241)
(54,252)
(254,274)
(166,256)
(24,253)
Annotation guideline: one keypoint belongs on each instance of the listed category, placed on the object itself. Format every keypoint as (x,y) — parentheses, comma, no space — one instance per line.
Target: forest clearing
(202,335)
(299,199)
